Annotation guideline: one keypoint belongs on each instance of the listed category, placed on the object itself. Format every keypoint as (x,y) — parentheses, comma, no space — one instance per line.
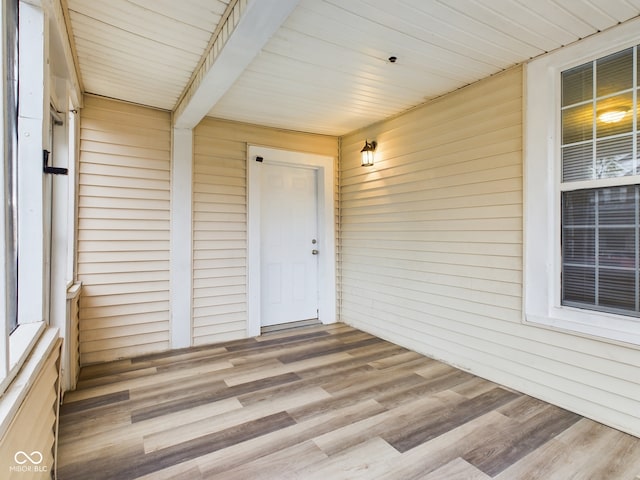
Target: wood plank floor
(322,402)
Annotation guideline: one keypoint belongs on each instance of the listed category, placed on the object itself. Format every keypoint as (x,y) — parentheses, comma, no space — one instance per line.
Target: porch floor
(321,402)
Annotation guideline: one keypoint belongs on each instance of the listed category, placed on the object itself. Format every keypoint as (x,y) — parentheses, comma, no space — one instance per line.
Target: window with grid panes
(600,198)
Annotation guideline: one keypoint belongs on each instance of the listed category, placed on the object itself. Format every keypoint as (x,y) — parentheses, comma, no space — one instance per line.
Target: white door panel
(289,228)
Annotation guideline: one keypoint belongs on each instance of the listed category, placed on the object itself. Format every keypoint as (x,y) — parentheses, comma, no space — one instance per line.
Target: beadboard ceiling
(325,69)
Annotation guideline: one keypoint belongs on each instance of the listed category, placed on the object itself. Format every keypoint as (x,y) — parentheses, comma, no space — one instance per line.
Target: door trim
(324,166)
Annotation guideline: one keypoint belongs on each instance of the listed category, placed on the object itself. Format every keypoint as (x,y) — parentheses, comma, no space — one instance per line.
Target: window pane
(616,206)
(600,248)
(578,245)
(615,115)
(617,247)
(577,84)
(577,124)
(577,162)
(614,157)
(616,289)
(579,208)
(578,285)
(614,73)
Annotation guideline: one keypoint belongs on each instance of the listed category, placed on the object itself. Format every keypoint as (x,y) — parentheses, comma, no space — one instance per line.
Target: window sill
(22,340)
(599,326)
(34,350)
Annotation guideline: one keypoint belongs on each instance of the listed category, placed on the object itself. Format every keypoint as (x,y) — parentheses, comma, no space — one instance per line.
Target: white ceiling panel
(326,68)
(142,51)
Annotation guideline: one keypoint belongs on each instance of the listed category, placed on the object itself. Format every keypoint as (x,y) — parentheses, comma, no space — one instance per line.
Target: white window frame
(542,193)
(39,22)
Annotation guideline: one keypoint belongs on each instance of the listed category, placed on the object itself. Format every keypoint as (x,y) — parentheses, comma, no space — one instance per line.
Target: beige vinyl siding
(33,427)
(220,220)
(431,253)
(123,230)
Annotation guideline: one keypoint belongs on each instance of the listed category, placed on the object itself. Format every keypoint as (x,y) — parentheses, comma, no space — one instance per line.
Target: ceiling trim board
(255,23)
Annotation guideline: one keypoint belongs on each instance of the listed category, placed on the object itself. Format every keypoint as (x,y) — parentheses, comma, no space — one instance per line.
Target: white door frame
(324,165)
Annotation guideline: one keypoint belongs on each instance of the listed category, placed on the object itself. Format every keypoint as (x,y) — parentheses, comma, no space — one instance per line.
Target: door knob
(314,251)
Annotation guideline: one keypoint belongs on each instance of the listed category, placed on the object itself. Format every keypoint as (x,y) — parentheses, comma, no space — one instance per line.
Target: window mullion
(594,129)
(637,248)
(634,147)
(634,138)
(596,260)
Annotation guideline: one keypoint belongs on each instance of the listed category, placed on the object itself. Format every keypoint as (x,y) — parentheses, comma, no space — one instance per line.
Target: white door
(289,244)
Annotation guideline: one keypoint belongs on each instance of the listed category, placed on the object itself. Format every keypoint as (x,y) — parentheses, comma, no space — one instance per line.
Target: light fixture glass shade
(613,115)
(367,153)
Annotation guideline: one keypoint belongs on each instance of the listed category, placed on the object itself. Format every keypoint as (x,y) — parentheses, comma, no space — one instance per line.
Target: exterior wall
(220,220)
(431,248)
(123,230)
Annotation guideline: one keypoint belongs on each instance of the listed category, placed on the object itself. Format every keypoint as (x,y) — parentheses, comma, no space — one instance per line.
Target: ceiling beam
(246,31)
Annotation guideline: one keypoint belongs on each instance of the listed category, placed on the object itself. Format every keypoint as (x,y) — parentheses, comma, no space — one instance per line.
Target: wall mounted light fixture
(367,153)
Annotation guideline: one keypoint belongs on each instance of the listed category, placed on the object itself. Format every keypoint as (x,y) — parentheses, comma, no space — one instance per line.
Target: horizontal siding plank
(111,191)
(151,172)
(419,194)
(211,245)
(132,319)
(120,331)
(229,317)
(227,280)
(139,182)
(97,290)
(210,315)
(149,337)
(482,237)
(497,262)
(146,295)
(144,204)
(123,213)
(109,161)
(205,236)
(124,151)
(123,309)
(124,246)
(425,180)
(219,337)
(207,275)
(120,267)
(161,144)
(376,205)
(413,215)
(206,293)
(119,352)
(96,105)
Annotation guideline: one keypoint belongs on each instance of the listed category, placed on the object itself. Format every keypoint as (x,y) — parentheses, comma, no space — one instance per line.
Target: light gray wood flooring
(321,402)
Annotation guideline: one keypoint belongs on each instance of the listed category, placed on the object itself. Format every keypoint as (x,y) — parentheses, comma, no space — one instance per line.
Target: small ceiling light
(367,153)
(613,115)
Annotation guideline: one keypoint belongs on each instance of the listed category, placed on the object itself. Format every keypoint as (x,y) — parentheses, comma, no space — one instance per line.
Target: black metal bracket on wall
(52,170)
